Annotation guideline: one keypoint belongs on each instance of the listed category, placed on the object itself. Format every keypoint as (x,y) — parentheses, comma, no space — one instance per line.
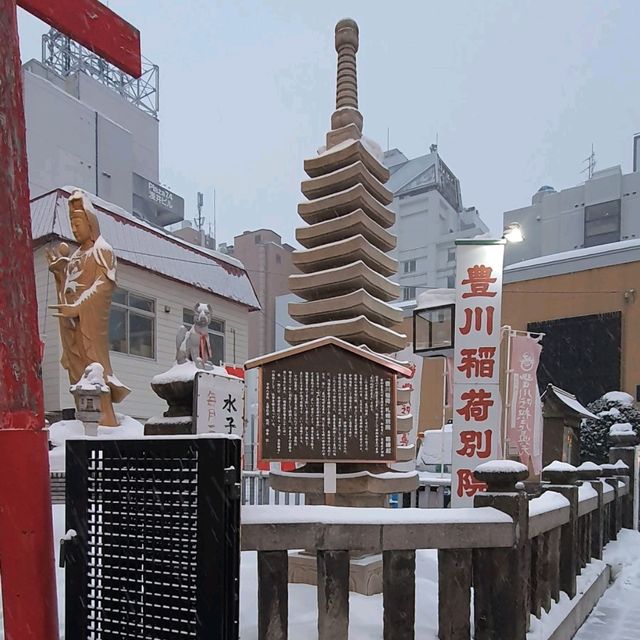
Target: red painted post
(26,537)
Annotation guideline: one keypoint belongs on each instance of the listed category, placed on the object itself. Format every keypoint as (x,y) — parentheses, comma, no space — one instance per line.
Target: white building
(429,219)
(88,125)
(160,278)
(605,208)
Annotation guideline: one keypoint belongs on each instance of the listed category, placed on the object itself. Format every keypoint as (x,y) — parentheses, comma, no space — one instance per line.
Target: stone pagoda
(345,287)
(345,269)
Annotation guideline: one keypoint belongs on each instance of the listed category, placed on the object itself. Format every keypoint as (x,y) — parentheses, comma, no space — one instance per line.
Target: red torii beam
(26,538)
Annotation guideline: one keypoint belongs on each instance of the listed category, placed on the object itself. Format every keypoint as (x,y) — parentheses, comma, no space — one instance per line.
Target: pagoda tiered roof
(345,266)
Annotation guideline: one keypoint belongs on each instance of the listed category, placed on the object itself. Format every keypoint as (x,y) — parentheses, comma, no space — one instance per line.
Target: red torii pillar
(26,537)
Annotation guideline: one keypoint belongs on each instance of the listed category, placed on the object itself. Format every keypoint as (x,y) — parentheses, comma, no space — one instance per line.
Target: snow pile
(586,491)
(60,432)
(620,465)
(589,466)
(621,429)
(501,466)
(556,465)
(611,412)
(92,379)
(619,396)
(548,501)
(186,372)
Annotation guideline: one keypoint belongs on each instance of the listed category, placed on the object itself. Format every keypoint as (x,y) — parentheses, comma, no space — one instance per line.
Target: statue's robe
(89,283)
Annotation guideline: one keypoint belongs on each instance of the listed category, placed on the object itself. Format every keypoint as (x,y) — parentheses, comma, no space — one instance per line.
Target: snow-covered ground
(616,615)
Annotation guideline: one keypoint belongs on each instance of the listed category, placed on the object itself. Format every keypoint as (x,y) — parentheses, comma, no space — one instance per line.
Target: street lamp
(513,233)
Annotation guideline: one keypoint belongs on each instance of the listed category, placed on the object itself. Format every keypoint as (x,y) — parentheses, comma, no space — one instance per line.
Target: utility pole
(26,536)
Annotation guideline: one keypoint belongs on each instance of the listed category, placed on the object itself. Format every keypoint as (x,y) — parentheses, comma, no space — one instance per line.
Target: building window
(408,293)
(409,266)
(602,223)
(451,255)
(216,335)
(278,259)
(132,324)
(257,238)
(451,282)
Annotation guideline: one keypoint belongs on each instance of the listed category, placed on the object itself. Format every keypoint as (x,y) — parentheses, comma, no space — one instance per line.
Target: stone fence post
(562,478)
(591,472)
(501,576)
(623,449)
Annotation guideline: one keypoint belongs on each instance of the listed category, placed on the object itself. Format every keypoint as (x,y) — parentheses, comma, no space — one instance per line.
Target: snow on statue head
(193,343)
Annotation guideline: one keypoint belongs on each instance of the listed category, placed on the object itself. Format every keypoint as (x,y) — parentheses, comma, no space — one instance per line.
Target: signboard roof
(399,368)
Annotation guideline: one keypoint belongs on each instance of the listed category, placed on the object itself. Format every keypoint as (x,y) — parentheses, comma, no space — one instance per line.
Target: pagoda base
(365,572)
(357,485)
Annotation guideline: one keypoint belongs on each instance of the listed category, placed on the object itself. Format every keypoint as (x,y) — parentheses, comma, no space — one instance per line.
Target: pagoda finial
(346,112)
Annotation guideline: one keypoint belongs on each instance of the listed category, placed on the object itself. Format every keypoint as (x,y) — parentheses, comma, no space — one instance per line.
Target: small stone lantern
(87,393)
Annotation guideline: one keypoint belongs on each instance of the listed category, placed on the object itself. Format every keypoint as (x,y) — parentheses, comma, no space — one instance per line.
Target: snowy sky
(517,91)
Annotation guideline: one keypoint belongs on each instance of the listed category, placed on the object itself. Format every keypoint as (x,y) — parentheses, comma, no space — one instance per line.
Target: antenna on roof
(591,163)
(215,246)
(434,147)
(387,138)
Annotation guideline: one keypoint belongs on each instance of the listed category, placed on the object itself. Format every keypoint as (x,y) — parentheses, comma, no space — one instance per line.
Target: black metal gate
(157,550)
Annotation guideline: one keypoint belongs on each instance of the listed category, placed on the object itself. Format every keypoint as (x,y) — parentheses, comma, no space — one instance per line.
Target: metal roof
(410,170)
(143,245)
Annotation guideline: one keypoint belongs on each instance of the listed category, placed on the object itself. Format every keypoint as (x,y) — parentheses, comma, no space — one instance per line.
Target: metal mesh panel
(152,530)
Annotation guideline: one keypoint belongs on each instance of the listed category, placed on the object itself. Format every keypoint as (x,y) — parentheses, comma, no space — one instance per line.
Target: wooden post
(501,591)
(454,594)
(554,563)
(273,595)
(614,508)
(333,595)
(546,572)
(540,589)
(569,541)
(399,594)
(597,518)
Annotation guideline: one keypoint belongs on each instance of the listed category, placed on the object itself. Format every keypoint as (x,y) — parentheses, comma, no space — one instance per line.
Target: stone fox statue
(85,282)
(193,344)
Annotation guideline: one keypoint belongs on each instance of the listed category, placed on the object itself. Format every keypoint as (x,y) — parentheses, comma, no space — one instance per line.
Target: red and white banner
(524,429)
(477,406)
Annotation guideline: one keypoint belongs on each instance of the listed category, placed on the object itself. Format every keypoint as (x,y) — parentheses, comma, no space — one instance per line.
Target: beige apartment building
(267,260)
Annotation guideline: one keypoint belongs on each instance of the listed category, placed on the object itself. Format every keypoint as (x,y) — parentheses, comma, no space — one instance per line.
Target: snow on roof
(410,170)
(142,244)
(569,400)
(383,361)
(569,261)
(436,298)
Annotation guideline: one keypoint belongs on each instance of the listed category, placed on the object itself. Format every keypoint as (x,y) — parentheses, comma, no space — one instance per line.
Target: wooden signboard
(327,405)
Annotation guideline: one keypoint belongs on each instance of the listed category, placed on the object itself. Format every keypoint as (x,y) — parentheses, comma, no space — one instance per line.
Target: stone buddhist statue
(85,283)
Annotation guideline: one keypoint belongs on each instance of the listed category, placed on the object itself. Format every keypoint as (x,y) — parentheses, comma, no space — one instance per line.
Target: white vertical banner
(477,406)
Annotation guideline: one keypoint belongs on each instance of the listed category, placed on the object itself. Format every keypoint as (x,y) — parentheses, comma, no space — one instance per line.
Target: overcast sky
(516,91)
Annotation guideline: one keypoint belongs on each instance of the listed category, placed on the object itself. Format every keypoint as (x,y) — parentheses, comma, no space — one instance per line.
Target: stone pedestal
(356,486)
(178,418)
(365,572)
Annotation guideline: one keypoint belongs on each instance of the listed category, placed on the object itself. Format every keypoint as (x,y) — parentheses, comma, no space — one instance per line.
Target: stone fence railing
(516,553)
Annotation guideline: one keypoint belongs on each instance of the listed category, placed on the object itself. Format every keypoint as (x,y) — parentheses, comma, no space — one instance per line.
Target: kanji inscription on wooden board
(327,405)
